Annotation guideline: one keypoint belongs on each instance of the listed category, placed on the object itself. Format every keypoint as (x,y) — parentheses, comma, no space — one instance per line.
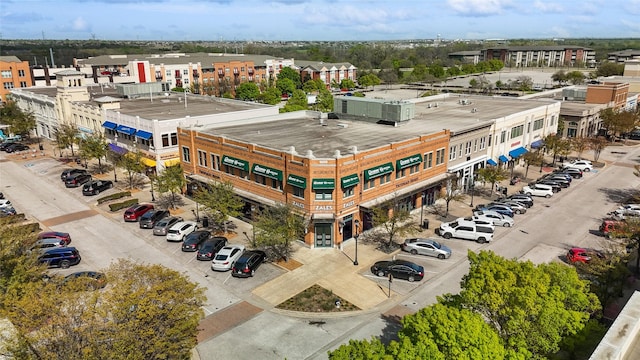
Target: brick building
(15,75)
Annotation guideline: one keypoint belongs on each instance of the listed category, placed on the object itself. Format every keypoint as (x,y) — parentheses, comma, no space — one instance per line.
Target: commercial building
(549,56)
(15,75)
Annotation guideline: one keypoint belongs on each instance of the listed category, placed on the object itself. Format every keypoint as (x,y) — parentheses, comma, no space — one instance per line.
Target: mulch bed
(317,299)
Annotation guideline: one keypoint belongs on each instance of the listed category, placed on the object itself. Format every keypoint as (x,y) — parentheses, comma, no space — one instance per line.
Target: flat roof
(204,59)
(324,137)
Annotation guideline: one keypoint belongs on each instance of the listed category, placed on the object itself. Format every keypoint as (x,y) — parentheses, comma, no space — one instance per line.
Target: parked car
(610,228)
(555,187)
(521,198)
(47,243)
(95,187)
(538,190)
(630,208)
(163,225)
(211,247)
(5,203)
(248,263)
(427,247)
(5,144)
(70,172)
(573,172)
(77,180)
(467,230)
(55,234)
(87,279)
(515,206)
(582,255)
(502,209)
(149,219)
(622,214)
(495,217)
(60,257)
(399,269)
(584,165)
(180,229)
(134,213)
(560,178)
(193,241)
(16,147)
(224,259)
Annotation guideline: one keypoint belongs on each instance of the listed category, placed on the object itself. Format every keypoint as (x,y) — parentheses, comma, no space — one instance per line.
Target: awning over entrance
(503,158)
(537,144)
(409,161)
(492,162)
(349,181)
(236,163)
(327,184)
(125,130)
(380,170)
(148,162)
(171,162)
(117,149)
(517,152)
(144,135)
(267,171)
(109,125)
(405,191)
(297,181)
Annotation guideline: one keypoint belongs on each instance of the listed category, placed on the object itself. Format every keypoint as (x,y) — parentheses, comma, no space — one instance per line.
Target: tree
(597,144)
(17,265)
(172,180)
(606,274)
(116,160)
(524,83)
(579,145)
(532,307)
(451,193)
(372,349)
(560,77)
(532,158)
(619,122)
(271,96)
(324,101)
(147,302)
(132,163)
(94,147)
(369,80)
(492,175)
(66,136)
(394,222)
(20,122)
(276,228)
(557,146)
(247,91)
(576,77)
(347,84)
(219,202)
(610,69)
(291,74)
(296,102)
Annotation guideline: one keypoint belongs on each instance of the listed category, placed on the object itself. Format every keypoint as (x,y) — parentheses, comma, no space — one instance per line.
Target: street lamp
(153,197)
(357,234)
(472,186)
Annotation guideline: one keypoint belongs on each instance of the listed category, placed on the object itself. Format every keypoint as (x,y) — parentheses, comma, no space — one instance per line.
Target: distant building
(549,56)
(623,56)
(467,57)
(327,72)
(15,74)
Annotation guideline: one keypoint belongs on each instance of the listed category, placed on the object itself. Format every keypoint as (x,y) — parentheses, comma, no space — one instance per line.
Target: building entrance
(323,233)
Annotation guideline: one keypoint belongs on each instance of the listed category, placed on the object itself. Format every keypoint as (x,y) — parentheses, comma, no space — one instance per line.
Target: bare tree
(451,193)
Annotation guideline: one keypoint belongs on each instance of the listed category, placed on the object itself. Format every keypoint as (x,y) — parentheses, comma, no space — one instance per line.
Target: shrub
(114,196)
(122,205)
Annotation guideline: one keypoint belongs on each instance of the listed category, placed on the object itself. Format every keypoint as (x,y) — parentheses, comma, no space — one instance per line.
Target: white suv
(468,230)
(538,190)
(181,229)
(584,165)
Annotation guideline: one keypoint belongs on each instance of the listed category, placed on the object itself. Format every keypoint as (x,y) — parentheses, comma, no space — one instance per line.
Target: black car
(95,187)
(210,247)
(575,173)
(521,198)
(6,144)
(193,241)
(70,172)
(555,186)
(560,179)
(15,147)
(77,180)
(399,269)
(60,257)
(149,219)
(86,279)
(248,263)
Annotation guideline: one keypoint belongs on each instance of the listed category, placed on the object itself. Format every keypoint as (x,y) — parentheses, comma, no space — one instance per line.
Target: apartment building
(329,73)
(15,75)
(549,56)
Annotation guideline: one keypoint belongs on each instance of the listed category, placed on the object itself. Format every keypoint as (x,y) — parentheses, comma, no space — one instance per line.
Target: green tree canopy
(219,202)
(576,77)
(610,69)
(394,221)
(247,91)
(276,228)
(132,163)
(347,84)
(66,135)
(492,175)
(324,101)
(20,122)
(291,74)
(94,147)
(171,180)
(271,96)
(369,80)
(286,86)
(296,102)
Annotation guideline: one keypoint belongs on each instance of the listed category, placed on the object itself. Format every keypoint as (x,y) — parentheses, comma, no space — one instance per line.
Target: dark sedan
(95,187)
(193,241)
(248,263)
(16,147)
(149,219)
(399,269)
(210,247)
(77,180)
(70,172)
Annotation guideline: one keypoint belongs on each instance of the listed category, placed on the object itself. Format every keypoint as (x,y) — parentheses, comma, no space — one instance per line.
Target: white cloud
(546,6)
(479,7)
(79,24)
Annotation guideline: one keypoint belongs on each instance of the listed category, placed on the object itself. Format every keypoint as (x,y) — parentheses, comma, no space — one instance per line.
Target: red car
(581,255)
(134,213)
(55,235)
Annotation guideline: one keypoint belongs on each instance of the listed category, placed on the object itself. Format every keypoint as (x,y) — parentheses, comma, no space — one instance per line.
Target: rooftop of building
(9,59)
(324,137)
(173,58)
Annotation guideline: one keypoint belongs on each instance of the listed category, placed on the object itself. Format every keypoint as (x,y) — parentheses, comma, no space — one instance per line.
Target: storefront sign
(297,181)
(297,204)
(267,171)
(378,171)
(323,184)
(348,204)
(324,207)
(349,181)
(409,161)
(236,163)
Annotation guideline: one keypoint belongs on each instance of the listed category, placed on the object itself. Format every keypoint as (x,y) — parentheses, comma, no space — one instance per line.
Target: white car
(538,190)
(630,208)
(4,203)
(584,165)
(496,218)
(225,258)
(181,229)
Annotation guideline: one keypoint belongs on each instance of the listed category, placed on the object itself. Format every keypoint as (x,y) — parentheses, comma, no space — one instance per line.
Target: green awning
(323,184)
(380,170)
(267,171)
(409,161)
(236,163)
(349,181)
(297,181)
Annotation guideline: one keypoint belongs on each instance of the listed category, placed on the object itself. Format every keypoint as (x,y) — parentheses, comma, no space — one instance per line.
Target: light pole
(153,197)
(114,157)
(357,234)
(472,186)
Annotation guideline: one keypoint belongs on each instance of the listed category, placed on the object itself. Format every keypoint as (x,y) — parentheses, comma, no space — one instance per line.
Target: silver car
(517,207)
(163,225)
(497,218)
(427,247)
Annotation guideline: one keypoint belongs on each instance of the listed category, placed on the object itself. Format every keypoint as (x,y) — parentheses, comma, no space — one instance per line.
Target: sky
(317,20)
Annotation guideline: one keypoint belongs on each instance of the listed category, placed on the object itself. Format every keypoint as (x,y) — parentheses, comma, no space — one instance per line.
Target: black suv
(193,241)
(69,172)
(77,180)
(210,247)
(95,187)
(149,219)
(248,263)
(60,257)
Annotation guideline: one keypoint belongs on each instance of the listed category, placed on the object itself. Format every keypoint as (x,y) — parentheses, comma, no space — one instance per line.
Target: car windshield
(436,244)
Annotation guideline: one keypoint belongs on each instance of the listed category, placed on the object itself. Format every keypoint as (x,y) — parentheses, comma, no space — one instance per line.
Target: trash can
(41,147)
(425,224)
(205,222)
(504,190)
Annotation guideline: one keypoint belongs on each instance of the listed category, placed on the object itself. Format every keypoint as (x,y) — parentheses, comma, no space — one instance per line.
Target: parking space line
(429,258)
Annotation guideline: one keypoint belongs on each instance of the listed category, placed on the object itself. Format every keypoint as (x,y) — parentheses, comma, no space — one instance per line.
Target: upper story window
(440,157)
(186,155)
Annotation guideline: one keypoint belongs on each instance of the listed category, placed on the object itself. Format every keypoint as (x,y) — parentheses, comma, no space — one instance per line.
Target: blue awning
(117,149)
(517,152)
(537,144)
(125,130)
(503,158)
(109,125)
(492,162)
(143,134)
